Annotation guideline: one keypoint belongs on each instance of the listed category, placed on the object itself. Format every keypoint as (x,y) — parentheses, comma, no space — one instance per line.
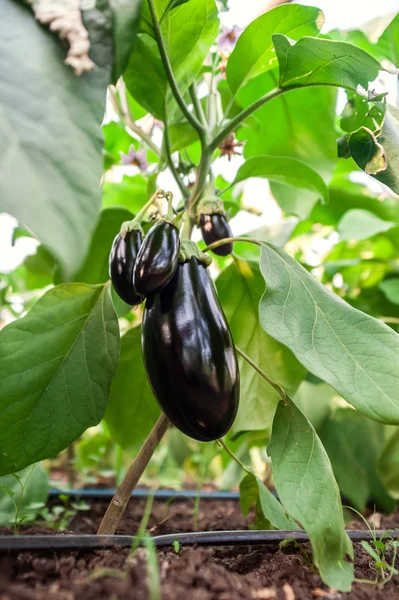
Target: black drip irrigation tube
(198,538)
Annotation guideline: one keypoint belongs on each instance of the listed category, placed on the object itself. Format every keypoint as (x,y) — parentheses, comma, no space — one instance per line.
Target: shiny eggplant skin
(121,265)
(189,354)
(214,228)
(157,260)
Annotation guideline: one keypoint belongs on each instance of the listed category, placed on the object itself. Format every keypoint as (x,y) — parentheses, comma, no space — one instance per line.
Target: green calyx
(189,249)
(130,226)
(210,205)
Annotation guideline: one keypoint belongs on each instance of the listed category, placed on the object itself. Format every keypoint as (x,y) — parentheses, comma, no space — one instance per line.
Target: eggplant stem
(269,380)
(118,504)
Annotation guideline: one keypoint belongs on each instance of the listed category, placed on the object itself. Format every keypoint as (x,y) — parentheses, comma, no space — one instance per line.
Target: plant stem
(118,504)
(230,240)
(130,123)
(269,380)
(170,75)
(70,465)
(185,192)
(197,105)
(234,457)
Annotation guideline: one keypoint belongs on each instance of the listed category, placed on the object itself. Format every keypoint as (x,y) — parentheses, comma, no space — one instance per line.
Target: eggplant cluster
(188,350)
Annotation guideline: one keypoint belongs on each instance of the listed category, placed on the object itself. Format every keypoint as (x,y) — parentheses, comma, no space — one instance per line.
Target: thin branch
(199,111)
(231,240)
(184,190)
(118,504)
(130,123)
(170,75)
(233,456)
(269,380)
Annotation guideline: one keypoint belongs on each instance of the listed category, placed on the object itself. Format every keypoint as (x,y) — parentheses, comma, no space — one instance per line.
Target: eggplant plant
(295,339)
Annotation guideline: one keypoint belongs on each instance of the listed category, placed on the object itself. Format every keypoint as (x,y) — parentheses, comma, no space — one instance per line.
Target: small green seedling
(378,550)
(176,546)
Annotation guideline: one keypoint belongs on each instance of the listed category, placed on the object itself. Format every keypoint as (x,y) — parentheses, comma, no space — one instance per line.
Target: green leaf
(359,224)
(253,491)
(35,482)
(390,289)
(354,462)
(320,61)
(308,491)
(240,287)
(50,138)
(40,269)
(188,33)
(181,135)
(125,24)
(300,125)
(95,267)
(56,367)
(132,409)
(315,401)
(254,53)
(283,169)
(348,349)
(130,193)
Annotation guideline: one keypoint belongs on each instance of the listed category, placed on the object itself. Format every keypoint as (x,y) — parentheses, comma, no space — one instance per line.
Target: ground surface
(224,573)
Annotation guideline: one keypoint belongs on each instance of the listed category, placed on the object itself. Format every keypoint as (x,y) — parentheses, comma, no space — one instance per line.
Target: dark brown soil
(217,573)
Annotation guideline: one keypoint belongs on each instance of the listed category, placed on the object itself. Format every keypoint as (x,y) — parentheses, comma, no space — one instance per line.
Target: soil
(192,573)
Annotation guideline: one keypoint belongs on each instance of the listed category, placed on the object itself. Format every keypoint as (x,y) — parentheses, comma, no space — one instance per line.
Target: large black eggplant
(157,259)
(189,354)
(215,227)
(121,265)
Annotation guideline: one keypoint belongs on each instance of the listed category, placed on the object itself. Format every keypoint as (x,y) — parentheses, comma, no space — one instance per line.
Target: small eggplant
(214,228)
(157,259)
(121,265)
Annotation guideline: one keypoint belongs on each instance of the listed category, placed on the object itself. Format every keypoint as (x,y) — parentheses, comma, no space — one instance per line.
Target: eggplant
(215,227)
(121,265)
(157,259)
(189,354)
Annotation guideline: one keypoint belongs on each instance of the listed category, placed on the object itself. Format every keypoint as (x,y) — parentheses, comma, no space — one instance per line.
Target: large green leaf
(240,288)
(125,24)
(253,491)
(299,125)
(285,170)
(95,267)
(29,500)
(359,224)
(188,33)
(308,491)
(254,52)
(132,409)
(348,349)
(321,61)
(50,137)
(354,462)
(56,367)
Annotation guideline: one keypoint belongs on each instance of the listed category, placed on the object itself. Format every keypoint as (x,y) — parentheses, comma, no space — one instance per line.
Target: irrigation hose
(201,538)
